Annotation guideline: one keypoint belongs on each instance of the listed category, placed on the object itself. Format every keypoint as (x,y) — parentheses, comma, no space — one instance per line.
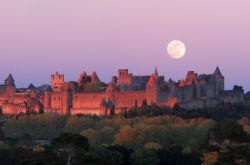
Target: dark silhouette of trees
(144,157)
(230,130)
(72,144)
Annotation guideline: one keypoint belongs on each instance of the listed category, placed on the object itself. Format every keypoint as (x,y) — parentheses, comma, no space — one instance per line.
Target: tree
(153,146)
(71,143)
(1,134)
(144,157)
(125,135)
(230,130)
(123,150)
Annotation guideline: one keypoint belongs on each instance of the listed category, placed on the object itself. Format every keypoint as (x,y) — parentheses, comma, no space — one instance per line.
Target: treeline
(71,148)
(166,131)
(225,143)
(141,136)
(224,111)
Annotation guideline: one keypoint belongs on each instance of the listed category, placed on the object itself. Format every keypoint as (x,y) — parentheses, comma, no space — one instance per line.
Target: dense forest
(141,136)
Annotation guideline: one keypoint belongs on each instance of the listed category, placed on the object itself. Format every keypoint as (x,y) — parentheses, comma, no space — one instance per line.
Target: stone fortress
(89,95)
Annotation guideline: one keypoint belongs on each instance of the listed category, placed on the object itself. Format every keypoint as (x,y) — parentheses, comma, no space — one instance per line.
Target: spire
(84,74)
(10,80)
(31,87)
(94,77)
(156,71)
(217,71)
(82,77)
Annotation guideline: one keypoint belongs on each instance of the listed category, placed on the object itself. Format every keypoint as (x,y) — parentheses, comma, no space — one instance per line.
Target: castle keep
(89,95)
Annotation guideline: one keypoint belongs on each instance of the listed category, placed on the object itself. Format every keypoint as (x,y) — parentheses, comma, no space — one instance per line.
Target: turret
(66,93)
(56,81)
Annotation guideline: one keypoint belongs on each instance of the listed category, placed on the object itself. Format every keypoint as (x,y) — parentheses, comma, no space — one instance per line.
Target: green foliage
(1,134)
(132,132)
(152,146)
(71,139)
(146,135)
(230,130)
(45,126)
(101,155)
(175,155)
(149,111)
(3,146)
(224,111)
(144,157)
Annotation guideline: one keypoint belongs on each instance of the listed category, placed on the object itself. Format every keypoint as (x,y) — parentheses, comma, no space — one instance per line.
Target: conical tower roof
(217,71)
(31,87)
(94,77)
(82,76)
(10,80)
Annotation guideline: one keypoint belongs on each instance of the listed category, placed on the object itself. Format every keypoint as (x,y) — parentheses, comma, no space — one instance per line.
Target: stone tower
(124,79)
(66,93)
(152,90)
(219,78)
(56,81)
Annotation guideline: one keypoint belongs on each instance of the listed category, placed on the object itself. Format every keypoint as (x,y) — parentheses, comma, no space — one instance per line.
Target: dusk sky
(39,37)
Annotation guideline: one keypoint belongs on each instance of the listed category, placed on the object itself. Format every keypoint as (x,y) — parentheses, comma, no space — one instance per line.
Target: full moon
(176,49)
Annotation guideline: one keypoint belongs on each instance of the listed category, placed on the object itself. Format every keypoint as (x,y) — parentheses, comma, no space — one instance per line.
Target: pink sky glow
(39,37)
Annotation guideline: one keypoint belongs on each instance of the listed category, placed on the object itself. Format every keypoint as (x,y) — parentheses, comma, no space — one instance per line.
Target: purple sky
(39,37)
